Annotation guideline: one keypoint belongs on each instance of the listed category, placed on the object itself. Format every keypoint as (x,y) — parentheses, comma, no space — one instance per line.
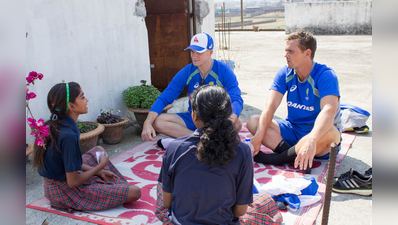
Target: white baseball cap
(201,42)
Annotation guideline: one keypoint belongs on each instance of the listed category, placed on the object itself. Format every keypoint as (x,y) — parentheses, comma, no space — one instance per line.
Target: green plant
(142,96)
(84,127)
(108,117)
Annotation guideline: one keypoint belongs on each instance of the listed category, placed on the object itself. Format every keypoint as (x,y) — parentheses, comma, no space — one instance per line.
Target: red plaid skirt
(262,211)
(94,194)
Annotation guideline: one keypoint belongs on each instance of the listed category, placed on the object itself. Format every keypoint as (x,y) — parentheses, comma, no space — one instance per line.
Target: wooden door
(170,28)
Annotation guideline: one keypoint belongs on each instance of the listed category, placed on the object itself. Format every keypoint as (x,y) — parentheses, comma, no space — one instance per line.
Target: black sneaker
(368,172)
(354,183)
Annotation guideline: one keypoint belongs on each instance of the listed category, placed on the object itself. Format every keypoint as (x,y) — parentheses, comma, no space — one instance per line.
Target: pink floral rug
(141,166)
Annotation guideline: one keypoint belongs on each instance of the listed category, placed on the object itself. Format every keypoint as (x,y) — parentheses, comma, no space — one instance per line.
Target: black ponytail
(56,102)
(213,107)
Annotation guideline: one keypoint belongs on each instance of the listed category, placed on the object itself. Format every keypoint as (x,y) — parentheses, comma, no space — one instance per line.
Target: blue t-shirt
(68,156)
(220,74)
(201,194)
(304,98)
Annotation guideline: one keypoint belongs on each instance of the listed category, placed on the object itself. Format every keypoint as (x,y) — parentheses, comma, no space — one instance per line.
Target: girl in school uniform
(207,177)
(73,181)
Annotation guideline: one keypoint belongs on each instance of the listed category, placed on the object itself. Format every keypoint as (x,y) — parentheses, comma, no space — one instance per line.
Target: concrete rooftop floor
(258,56)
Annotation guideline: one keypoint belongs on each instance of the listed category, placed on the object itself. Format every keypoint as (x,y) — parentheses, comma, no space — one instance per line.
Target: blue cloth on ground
(354,108)
(293,200)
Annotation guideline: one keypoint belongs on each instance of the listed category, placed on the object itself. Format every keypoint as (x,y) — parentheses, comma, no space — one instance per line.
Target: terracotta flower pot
(113,132)
(89,140)
(141,114)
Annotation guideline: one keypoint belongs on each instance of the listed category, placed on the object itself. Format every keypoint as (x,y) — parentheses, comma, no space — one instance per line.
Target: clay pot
(89,140)
(113,132)
(141,114)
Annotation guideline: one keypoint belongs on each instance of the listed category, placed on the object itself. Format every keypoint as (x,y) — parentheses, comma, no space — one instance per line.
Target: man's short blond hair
(306,41)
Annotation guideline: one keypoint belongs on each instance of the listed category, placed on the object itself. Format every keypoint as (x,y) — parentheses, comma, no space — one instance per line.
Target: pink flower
(38,129)
(33,74)
(29,79)
(32,95)
(40,122)
(39,141)
(32,123)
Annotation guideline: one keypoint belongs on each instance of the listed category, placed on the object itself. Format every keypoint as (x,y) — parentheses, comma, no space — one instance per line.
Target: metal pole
(329,184)
(241,14)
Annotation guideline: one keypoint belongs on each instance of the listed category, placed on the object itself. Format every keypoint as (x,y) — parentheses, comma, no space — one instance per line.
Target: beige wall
(329,17)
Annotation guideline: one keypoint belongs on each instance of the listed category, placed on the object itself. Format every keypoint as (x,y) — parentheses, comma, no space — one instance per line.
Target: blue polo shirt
(68,156)
(201,194)
(220,74)
(304,97)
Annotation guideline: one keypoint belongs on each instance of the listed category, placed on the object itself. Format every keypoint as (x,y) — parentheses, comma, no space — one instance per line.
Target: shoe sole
(366,130)
(364,192)
(350,129)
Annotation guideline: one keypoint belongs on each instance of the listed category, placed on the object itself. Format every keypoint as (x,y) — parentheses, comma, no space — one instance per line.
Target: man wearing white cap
(203,70)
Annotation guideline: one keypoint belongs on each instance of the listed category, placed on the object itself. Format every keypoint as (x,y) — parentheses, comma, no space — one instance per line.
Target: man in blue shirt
(313,102)
(202,70)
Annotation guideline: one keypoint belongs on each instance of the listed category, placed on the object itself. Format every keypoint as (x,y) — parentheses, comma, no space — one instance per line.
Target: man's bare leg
(172,125)
(272,135)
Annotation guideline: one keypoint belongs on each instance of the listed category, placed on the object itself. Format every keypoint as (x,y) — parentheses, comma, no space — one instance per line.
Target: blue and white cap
(201,42)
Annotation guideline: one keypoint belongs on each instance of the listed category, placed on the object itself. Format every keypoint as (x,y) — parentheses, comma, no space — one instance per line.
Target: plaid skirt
(263,210)
(94,194)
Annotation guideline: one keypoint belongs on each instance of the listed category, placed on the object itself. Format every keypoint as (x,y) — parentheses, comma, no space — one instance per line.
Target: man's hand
(106,175)
(306,155)
(256,142)
(148,133)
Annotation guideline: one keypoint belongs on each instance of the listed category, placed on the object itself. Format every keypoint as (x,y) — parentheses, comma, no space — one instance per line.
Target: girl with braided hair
(73,181)
(207,177)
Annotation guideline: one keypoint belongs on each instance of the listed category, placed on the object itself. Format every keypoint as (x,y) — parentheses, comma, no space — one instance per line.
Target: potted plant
(139,100)
(89,132)
(113,124)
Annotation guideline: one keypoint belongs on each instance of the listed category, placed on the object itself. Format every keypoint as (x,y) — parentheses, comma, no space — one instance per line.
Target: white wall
(100,44)
(329,17)
(207,22)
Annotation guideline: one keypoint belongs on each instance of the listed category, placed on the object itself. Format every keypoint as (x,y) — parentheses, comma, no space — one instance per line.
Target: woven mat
(141,166)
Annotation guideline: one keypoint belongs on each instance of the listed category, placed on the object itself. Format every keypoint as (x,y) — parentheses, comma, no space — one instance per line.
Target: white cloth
(280,185)
(350,118)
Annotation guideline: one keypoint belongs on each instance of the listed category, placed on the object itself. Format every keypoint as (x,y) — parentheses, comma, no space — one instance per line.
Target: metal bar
(329,184)
(241,14)
(194,18)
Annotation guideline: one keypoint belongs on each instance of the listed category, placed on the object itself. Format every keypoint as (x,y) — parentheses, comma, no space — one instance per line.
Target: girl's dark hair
(213,107)
(56,102)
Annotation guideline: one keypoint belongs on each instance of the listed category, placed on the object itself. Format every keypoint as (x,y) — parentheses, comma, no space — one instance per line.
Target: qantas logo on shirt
(299,106)
(195,40)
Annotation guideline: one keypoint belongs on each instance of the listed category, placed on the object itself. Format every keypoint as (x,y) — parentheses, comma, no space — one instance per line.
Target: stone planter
(113,132)
(89,140)
(141,114)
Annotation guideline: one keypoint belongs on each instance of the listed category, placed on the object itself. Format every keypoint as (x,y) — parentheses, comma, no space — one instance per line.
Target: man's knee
(159,121)
(238,124)
(333,135)
(252,123)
